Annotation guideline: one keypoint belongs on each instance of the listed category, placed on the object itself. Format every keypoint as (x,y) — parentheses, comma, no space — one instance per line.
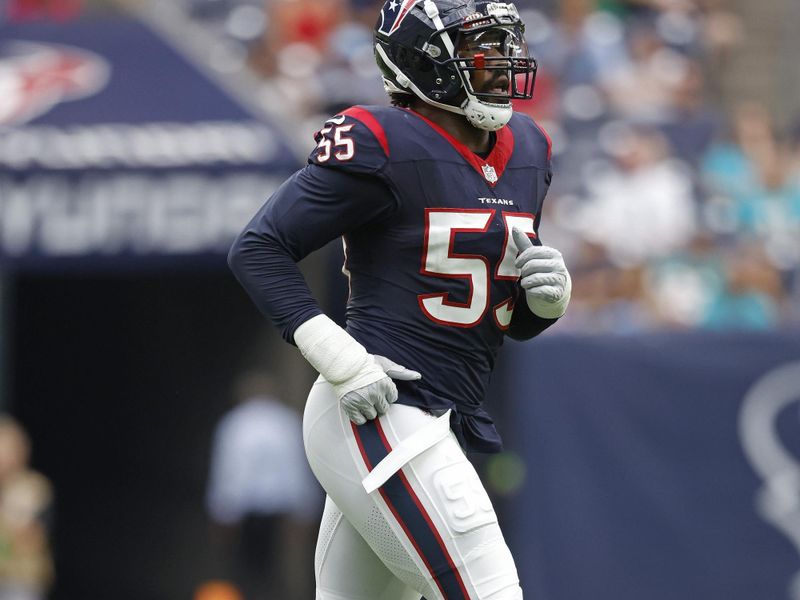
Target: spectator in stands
(347,76)
(689,123)
(641,205)
(754,171)
(752,295)
(261,494)
(605,297)
(578,46)
(683,285)
(643,88)
(734,166)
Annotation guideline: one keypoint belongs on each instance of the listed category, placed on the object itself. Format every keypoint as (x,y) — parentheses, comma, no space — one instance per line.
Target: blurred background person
(26,566)
(261,495)
(640,204)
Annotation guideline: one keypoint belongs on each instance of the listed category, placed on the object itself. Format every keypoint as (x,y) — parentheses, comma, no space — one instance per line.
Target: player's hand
(543,276)
(362,382)
(367,402)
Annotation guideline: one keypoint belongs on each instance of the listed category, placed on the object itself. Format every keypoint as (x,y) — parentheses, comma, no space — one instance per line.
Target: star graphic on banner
(392,5)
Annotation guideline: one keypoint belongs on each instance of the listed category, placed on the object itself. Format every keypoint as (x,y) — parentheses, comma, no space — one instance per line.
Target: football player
(438,200)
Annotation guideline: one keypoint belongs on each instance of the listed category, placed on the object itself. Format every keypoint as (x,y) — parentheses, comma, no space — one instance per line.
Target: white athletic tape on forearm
(412,446)
(335,354)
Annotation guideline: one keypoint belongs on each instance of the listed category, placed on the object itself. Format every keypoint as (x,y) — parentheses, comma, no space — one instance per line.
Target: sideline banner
(112,145)
(658,467)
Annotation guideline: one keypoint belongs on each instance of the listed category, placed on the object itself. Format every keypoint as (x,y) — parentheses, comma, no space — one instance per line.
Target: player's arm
(311,208)
(318,204)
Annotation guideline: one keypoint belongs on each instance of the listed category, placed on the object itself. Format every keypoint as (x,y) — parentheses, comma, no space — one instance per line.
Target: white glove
(366,403)
(359,379)
(543,276)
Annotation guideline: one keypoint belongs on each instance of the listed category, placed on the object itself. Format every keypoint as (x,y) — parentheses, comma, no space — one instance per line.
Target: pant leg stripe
(427,517)
(361,447)
(368,462)
(410,514)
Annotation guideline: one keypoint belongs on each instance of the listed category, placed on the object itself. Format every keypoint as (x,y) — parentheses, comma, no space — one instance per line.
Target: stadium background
(652,435)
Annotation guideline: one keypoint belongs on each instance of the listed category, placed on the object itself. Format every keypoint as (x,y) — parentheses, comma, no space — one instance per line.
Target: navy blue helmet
(465,56)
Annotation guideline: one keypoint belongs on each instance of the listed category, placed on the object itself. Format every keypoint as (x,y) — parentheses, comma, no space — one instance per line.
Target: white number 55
(345,147)
(439,260)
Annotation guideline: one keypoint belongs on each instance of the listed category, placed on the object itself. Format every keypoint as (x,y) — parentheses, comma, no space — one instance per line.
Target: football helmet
(466,56)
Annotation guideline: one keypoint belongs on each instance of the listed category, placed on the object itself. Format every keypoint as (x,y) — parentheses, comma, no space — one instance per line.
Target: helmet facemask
(495,67)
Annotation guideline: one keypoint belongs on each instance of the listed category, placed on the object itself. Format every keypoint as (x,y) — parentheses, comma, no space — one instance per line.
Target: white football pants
(428,530)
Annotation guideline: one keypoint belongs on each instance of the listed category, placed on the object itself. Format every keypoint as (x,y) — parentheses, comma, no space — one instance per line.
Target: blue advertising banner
(113,145)
(658,467)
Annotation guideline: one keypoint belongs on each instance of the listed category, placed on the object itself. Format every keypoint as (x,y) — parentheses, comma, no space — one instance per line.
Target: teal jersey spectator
(750,310)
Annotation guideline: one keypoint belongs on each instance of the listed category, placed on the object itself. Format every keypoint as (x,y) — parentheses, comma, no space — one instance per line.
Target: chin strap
(489,117)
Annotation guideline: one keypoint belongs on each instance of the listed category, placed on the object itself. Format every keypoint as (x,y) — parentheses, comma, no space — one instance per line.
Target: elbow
(236,255)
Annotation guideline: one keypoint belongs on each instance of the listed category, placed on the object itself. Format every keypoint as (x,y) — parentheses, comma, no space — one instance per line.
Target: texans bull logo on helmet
(392,15)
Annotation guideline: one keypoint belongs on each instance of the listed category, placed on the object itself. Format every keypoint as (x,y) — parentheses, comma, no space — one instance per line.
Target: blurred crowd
(676,206)
(675,201)
(673,213)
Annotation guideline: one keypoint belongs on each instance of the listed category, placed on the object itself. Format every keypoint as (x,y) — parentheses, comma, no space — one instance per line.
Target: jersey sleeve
(311,208)
(524,324)
(352,141)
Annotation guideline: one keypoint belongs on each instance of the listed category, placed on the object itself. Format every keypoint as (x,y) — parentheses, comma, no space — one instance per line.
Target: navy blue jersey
(428,251)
